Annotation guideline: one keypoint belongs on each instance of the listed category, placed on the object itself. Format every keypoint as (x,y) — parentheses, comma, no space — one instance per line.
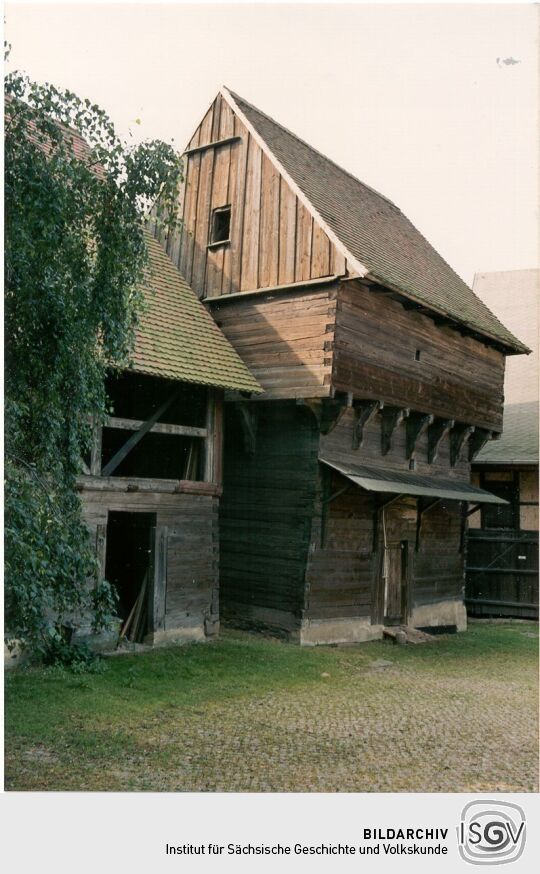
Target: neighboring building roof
(373,233)
(519,441)
(514,297)
(178,339)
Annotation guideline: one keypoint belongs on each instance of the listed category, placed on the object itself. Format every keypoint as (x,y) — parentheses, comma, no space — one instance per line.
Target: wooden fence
(502,573)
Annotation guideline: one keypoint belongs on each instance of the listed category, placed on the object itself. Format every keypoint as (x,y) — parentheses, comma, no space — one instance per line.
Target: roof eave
(516,348)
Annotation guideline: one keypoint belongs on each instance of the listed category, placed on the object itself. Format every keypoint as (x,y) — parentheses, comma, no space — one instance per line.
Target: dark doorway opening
(128,568)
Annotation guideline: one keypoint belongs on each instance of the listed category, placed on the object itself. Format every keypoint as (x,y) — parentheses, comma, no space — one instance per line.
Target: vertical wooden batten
(213,444)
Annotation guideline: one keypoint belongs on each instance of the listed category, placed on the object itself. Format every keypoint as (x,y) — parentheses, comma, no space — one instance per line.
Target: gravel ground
(372,721)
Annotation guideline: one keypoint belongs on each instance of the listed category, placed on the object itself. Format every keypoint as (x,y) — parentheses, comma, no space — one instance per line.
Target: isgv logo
(491,832)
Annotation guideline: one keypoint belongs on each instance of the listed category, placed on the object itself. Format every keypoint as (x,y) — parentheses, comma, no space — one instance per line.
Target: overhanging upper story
(323,286)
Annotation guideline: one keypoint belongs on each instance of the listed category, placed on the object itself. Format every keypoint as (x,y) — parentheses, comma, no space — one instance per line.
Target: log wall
(375,346)
(343,578)
(341,568)
(285,339)
(266,515)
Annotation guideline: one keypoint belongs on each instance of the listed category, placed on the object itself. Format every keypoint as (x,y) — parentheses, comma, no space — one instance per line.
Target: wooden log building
(347,482)
(151,488)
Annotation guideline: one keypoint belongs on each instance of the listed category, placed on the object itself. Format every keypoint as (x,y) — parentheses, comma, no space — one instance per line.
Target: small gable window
(220,227)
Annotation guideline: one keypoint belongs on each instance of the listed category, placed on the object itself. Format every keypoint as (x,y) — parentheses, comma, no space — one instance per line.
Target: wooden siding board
(202,222)
(269,235)
(252,200)
(287,234)
(304,226)
(219,197)
(190,212)
(237,181)
(320,253)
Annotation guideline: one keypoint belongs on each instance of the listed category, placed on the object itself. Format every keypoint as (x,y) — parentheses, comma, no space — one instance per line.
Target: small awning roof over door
(405,483)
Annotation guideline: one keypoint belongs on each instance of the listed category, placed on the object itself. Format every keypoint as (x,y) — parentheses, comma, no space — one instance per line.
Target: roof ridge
(313,149)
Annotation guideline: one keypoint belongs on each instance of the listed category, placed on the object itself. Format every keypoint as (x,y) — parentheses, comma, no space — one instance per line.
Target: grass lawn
(248,713)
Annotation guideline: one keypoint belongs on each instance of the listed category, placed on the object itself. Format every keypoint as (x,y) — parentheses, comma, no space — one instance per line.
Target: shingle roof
(519,441)
(374,231)
(177,338)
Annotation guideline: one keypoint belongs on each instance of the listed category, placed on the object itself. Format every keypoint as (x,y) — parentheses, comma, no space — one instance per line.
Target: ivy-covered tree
(75,253)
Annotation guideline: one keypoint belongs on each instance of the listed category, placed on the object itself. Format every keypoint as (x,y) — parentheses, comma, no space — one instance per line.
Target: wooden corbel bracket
(417,423)
(459,436)
(478,440)
(392,418)
(436,432)
(364,411)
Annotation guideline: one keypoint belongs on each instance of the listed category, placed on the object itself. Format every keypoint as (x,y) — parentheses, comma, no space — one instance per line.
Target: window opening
(220,229)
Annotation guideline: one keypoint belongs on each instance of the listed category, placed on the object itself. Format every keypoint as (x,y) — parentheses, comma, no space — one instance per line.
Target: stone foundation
(441,613)
(317,632)
(173,636)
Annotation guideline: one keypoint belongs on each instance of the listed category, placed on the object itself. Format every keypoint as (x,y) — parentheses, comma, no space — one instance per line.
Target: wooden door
(395,579)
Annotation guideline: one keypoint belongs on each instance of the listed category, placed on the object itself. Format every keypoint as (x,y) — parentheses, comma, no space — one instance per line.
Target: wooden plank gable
(274,238)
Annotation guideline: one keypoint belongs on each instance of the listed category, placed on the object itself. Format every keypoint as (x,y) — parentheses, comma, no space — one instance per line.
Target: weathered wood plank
(157,428)
(320,253)
(190,216)
(304,229)
(287,234)
(252,202)
(269,238)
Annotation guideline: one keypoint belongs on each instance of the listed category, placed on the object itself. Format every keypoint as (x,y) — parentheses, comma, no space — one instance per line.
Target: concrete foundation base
(317,632)
(442,613)
(171,636)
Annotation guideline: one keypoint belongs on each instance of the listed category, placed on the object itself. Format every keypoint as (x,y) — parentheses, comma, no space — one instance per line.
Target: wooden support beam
(422,506)
(158,578)
(327,411)
(380,505)
(101,551)
(215,145)
(436,432)
(249,421)
(209,448)
(95,451)
(466,511)
(135,438)
(333,410)
(416,425)
(158,428)
(363,414)
(392,417)
(459,435)
(477,441)
(337,494)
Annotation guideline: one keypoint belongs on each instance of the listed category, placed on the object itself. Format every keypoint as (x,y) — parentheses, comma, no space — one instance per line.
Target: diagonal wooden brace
(138,435)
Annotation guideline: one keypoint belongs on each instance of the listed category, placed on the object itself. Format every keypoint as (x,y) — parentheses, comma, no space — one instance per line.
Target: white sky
(409,98)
